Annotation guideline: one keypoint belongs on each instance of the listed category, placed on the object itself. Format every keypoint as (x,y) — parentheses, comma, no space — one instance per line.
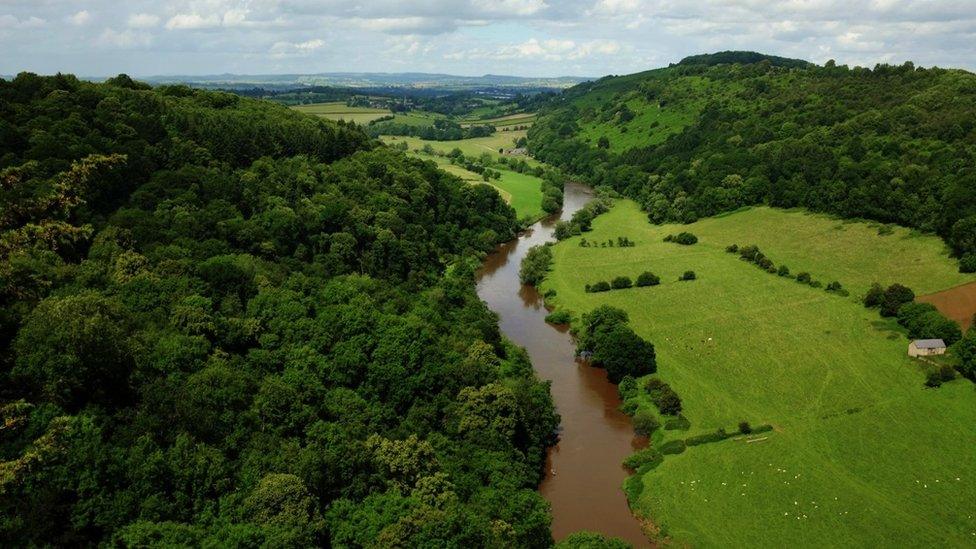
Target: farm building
(926,347)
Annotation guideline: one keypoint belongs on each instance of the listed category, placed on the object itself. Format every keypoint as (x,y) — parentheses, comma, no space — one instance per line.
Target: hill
(227,323)
(894,143)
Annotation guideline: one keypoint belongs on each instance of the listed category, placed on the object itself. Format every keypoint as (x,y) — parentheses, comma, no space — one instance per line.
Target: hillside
(894,144)
(227,323)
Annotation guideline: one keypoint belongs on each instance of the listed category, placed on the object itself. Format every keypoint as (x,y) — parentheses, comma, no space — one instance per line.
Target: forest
(223,322)
(711,134)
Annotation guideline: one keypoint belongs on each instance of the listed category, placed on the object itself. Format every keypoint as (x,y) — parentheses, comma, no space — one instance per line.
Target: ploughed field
(861,452)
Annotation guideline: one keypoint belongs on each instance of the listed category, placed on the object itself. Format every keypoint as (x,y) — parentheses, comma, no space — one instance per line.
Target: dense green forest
(717,132)
(227,323)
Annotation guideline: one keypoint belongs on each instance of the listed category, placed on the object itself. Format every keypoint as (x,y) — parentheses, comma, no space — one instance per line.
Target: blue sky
(473,37)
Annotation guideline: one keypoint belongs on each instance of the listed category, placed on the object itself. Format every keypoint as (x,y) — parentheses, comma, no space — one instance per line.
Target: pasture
(470,147)
(340,111)
(522,191)
(861,453)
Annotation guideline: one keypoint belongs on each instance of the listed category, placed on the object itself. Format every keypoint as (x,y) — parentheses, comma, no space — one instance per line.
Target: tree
(688,275)
(966,351)
(603,142)
(645,423)
(622,352)
(894,297)
(74,349)
(874,297)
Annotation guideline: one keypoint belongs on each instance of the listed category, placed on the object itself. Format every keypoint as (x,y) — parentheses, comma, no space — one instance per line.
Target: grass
(470,147)
(340,111)
(522,191)
(862,454)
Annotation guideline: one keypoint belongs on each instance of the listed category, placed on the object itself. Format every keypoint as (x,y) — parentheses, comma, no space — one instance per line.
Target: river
(584,475)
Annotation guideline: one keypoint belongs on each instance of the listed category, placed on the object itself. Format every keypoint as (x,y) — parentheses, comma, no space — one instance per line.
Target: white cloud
(182,21)
(282,49)
(143,20)
(547,50)
(80,19)
(125,39)
(407,25)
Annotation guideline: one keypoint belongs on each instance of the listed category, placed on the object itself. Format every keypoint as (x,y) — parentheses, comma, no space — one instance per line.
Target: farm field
(861,453)
(340,111)
(471,147)
(522,191)
(518,119)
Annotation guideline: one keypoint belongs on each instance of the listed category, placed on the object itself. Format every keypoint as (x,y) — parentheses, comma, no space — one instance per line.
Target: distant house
(926,347)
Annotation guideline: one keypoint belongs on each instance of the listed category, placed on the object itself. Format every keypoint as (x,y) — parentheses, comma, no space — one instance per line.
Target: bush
(645,459)
(803,278)
(874,297)
(744,427)
(967,264)
(698,440)
(559,317)
(894,297)
(621,283)
(732,248)
(627,388)
(966,351)
(669,238)
(688,275)
(686,239)
(602,286)
(783,270)
(645,423)
(749,253)
(672,447)
(622,352)
(663,396)
(648,278)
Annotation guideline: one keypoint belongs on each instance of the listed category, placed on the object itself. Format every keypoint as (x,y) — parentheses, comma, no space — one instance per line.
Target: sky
(468,37)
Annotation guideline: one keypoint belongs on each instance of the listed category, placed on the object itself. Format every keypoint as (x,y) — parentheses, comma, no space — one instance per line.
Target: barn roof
(929,344)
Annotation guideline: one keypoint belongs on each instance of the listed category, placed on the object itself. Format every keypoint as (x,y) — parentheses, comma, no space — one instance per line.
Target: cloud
(548,50)
(12,22)
(407,25)
(125,39)
(282,49)
(143,21)
(183,21)
(80,19)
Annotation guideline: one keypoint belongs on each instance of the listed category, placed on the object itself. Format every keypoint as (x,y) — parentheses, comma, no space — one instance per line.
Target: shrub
(648,278)
(559,317)
(749,253)
(622,352)
(621,283)
(698,440)
(803,278)
(686,239)
(669,238)
(894,297)
(688,275)
(672,447)
(744,427)
(602,286)
(874,297)
(783,270)
(834,287)
(645,459)
(627,388)
(966,351)
(645,423)
(732,248)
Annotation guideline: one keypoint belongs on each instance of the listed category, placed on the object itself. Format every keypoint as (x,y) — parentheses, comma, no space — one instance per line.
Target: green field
(471,147)
(518,119)
(522,191)
(862,454)
(340,111)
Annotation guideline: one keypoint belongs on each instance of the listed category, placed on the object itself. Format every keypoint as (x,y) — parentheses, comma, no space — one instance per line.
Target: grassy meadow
(861,453)
(522,191)
(338,110)
(471,147)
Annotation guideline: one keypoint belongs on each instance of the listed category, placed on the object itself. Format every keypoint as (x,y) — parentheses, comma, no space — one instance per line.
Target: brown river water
(957,303)
(584,475)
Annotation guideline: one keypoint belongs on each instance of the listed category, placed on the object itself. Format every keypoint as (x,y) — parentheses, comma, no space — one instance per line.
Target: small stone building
(926,347)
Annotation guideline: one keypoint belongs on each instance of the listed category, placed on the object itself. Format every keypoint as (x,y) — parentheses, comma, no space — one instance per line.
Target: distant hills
(413,80)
